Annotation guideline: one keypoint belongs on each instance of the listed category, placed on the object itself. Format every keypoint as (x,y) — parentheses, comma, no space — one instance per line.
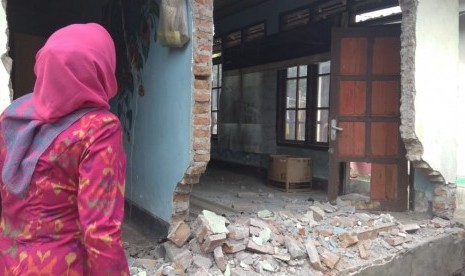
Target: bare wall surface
(436,79)
(460,212)
(160,148)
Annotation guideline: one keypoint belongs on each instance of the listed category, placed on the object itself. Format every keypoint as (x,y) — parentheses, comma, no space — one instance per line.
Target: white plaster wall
(4,72)
(461,98)
(436,78)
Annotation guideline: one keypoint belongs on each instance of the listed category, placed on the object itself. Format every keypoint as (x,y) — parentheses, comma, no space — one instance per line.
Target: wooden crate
(290,173)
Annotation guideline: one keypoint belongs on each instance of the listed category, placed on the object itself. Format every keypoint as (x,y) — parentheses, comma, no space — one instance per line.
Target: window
(215,98)
(304,105)
(250,33)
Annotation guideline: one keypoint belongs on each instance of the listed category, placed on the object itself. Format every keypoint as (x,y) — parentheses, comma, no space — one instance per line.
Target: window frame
(217,90)
(311,108)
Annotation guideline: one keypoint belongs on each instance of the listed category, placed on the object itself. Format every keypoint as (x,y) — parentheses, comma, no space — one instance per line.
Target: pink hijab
(75,74)
(75,69)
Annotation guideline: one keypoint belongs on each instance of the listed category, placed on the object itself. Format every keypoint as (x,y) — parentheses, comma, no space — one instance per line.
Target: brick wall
(202,39)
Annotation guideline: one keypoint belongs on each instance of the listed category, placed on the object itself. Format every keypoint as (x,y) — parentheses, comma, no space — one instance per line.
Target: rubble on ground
(318,239)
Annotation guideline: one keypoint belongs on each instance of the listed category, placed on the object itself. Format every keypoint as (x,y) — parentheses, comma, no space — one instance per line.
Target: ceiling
(227,7)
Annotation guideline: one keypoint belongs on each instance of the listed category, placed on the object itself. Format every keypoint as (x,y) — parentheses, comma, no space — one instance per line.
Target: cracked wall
(429,94)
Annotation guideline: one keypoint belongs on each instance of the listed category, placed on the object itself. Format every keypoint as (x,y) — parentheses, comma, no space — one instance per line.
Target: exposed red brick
(202,96)
(201,121)
(201,84)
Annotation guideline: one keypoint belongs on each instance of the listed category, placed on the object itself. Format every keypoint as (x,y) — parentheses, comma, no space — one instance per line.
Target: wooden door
(365,113)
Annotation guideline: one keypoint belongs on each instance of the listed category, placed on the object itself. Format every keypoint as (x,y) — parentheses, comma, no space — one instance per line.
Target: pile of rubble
(321,240)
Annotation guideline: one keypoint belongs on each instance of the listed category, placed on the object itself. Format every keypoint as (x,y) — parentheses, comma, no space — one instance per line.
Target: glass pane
(292,72)
(214,123)
(220,74)
(323,91)
(324,67)
(214,99)
(302,93)
(303,71)
(301,125)
(290,125)
(215,76)
(321,130)
(291,93)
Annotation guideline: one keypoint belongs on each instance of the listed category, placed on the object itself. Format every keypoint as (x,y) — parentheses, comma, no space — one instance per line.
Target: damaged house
(364,96)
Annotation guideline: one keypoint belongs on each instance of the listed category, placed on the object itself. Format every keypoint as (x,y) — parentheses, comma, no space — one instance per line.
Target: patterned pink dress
(69,222)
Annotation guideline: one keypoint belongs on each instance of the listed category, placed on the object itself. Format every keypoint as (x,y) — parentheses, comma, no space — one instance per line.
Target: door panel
(385,98)
(384,181)
(365,105)
(386,57)
(352,98)
(385,139)
(351,142)
(353,60)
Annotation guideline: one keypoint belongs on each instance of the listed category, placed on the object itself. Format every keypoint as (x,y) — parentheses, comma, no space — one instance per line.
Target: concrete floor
(232,192)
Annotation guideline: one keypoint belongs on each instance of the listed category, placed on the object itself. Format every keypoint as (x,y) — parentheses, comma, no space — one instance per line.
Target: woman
(63,165)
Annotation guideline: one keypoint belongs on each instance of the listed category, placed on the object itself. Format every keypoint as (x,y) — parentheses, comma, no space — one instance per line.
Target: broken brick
(179,233)
(201,228)
(329,258)
(325,232)
(238,232)
(347,239)
(181,256)
(212,241)
(372,233)
(362,251)
(201,261)
(264,249)
(313,255)
(233,246)
(258,223)
(395,241)
(318,213)
(294,247)
(219,258)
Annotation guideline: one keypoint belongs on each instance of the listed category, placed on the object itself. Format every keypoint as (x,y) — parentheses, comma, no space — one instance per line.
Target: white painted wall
(459,214)
(436,78)
(4,73)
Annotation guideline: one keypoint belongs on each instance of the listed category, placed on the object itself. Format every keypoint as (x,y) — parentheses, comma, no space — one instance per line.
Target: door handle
(334,129)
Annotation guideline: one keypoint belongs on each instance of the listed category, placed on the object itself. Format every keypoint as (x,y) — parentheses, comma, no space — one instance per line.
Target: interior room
(274,98)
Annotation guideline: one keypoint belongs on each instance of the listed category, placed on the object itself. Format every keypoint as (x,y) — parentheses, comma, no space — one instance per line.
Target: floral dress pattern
(69,222)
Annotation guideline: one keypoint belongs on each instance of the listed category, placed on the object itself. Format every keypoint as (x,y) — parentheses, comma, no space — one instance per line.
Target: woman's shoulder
(99,120)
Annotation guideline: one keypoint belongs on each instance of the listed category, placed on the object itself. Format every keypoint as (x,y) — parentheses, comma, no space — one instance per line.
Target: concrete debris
(319,240)
(440,223)
(318,214)
(410,228)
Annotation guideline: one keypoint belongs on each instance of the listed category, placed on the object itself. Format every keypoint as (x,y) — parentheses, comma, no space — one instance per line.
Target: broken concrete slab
(318,213)
(410,228)
(202,261)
